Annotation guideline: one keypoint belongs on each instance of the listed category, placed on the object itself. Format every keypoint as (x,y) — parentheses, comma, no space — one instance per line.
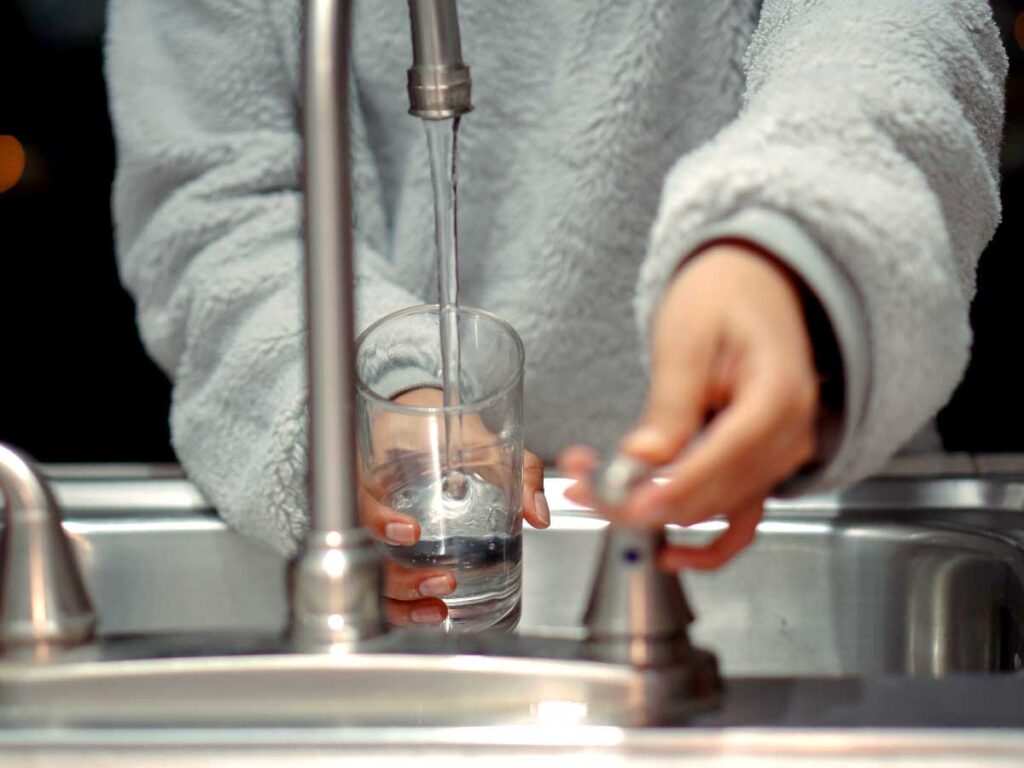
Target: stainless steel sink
(898,577)
(823,594)
(859,604)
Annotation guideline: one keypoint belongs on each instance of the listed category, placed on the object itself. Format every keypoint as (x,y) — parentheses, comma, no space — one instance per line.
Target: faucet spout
(439,83)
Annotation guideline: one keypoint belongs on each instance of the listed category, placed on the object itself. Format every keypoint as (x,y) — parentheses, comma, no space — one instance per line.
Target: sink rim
(118,489)
(236,685)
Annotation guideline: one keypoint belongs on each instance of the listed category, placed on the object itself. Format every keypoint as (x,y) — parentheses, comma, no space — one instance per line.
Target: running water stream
(464,518)
(442,142)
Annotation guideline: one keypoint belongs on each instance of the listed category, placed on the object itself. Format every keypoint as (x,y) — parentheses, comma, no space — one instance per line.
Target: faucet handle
(637,614)
(43,602)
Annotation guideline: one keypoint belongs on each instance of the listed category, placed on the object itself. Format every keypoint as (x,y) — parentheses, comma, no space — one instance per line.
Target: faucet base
(336,582)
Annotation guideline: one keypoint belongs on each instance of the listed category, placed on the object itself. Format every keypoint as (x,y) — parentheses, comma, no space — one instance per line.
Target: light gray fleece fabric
(609,140)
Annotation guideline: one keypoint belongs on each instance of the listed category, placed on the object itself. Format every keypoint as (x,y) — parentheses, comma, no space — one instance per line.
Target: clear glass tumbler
(456,470)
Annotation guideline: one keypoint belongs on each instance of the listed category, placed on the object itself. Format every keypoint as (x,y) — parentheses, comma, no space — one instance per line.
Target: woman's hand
(413,594)
(730,343)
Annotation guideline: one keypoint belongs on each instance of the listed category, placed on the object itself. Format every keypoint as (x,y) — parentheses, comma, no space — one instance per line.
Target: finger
(753,443)
(578,460)
(680,373)
(756,477)
(535,505)
(732,487)
(385,523)
(577,463)
(580,493)
(737,537)
(402,583)
(429,611)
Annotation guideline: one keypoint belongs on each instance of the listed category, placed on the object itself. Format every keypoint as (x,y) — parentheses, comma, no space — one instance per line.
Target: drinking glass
(457,469)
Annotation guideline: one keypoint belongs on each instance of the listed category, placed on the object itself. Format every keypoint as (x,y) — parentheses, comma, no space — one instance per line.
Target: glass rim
(478,405)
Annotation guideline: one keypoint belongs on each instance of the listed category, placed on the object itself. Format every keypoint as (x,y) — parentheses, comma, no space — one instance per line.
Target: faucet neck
(336,578)
(336,582)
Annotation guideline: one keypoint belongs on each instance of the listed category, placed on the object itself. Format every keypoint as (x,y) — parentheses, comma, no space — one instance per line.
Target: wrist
(832,312)
(729,253)
(825,347)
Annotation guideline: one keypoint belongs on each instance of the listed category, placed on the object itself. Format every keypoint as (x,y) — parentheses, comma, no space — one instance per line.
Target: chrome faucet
(638,616)
(336,579)
(636,666)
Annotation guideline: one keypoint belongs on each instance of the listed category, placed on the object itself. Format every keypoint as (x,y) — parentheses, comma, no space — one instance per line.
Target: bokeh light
(12,162)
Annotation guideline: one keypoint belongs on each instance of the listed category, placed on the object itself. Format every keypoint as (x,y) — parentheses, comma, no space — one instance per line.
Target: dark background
(75,383)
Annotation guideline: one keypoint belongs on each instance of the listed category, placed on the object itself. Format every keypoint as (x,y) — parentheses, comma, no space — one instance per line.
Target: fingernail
(431,615)
(644,439)
(540,503)
(400,533)
(436,586)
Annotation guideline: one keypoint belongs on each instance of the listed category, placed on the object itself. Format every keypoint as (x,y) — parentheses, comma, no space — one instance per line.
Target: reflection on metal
(335,592)
(43,604)
(174,496)
(962,629)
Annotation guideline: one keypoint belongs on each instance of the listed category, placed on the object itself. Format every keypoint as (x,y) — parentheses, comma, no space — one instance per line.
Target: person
(771,212)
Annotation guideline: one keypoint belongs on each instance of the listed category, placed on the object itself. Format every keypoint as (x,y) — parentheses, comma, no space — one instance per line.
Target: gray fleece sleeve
(866,158)
(207,211)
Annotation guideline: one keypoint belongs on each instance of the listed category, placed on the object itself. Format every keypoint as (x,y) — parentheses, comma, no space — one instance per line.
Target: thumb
(676,402)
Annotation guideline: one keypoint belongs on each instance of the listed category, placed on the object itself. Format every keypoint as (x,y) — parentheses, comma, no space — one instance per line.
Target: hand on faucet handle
(729,340)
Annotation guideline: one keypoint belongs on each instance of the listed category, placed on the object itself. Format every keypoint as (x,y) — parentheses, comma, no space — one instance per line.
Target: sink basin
(843,622)
(822,595)
(897,577)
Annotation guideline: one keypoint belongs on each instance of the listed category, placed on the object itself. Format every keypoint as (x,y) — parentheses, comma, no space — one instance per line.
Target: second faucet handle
(638,616)
(637,612)
(44,605)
